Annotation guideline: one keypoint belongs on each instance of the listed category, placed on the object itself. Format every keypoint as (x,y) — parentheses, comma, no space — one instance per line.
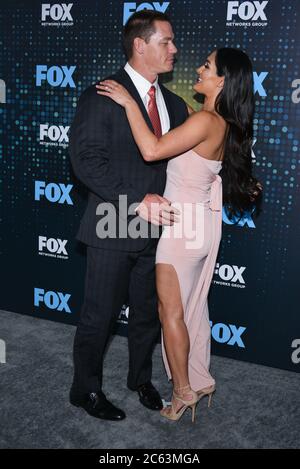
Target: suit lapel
(168,105)
(125,80)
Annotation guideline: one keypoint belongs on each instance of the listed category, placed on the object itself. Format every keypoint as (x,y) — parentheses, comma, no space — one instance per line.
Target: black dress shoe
(98,406)
(149,396)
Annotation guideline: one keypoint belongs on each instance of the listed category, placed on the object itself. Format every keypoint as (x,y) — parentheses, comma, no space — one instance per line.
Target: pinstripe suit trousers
(112,278)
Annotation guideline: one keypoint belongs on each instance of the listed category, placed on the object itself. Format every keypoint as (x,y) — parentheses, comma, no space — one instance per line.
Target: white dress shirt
(143,86)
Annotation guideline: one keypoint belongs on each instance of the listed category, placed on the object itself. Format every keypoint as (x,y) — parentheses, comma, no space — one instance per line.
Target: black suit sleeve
(89,149)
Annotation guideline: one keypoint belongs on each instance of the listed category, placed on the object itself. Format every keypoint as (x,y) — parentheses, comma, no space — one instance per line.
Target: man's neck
(142,70)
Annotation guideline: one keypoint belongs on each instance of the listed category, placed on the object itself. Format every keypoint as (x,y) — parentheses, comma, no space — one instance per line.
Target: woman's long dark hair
(235,103)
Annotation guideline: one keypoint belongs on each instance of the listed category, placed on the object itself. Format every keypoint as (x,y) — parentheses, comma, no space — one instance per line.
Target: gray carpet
(254,406)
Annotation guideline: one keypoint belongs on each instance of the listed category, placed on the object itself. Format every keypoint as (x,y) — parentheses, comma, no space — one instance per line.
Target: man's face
(159,52)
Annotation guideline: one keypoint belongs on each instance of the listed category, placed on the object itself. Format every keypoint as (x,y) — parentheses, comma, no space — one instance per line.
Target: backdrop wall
(50,52)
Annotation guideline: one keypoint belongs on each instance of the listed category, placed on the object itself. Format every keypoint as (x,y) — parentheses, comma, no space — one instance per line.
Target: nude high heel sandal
(173,413)
(207,392)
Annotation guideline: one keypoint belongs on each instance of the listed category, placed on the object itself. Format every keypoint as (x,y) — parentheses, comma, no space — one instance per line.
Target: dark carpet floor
(254,406)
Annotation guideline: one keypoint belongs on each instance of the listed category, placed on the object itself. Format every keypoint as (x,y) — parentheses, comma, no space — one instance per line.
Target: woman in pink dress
(217,138)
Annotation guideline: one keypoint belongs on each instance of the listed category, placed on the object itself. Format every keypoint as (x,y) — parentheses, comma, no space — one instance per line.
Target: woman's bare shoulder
(203,117)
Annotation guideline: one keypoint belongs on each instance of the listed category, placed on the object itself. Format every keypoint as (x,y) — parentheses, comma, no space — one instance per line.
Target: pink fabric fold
(191,177)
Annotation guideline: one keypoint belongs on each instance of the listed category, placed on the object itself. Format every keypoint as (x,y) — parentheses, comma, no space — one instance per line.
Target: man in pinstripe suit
(106,159)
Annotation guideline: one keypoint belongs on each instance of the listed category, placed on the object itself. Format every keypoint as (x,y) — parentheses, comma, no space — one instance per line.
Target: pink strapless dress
(191,247)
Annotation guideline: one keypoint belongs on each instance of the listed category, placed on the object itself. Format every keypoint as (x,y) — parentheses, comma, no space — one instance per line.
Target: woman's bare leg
(171,314)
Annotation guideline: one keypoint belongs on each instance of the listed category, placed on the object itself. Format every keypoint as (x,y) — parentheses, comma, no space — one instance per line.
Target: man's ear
(138,45)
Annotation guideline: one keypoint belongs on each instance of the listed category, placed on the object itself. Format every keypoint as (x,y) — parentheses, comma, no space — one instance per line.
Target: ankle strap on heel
(183,388)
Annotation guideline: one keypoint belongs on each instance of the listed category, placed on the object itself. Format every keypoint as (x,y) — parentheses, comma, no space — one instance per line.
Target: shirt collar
(141,84)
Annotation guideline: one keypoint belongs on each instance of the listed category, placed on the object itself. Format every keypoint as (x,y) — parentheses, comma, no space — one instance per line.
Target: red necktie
(153,112)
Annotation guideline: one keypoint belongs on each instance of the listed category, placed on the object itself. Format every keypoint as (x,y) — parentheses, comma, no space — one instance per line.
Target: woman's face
(208,81)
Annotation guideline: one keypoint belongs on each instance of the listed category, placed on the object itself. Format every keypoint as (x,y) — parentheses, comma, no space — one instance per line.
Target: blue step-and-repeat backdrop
(50,52)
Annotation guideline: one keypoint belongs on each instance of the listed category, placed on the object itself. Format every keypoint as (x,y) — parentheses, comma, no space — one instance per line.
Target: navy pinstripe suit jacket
(106,159)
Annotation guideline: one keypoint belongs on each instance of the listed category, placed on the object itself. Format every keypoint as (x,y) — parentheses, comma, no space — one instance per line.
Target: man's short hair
(140,24)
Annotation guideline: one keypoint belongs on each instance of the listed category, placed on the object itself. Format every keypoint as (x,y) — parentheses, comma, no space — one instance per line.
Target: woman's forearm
(184,137)
(144,138)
